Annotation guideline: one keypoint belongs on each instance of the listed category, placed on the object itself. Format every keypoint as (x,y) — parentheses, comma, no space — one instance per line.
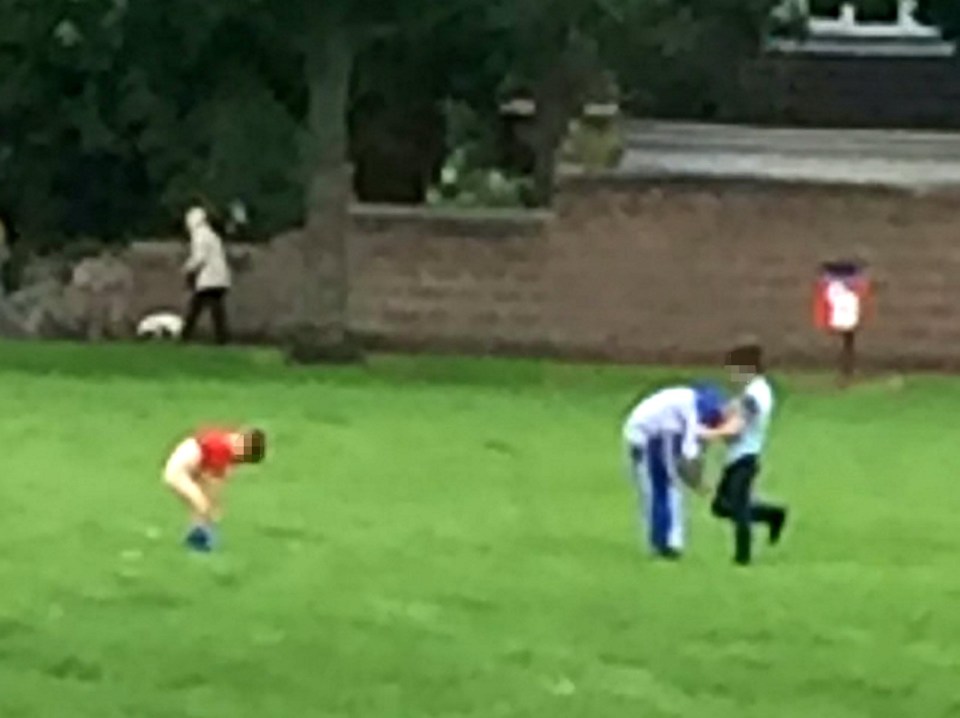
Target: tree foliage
(116,113)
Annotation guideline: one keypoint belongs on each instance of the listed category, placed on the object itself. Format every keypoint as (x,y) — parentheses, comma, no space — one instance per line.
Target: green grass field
(436,537)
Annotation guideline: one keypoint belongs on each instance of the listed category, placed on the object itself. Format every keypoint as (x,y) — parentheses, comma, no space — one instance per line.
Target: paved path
(898,158)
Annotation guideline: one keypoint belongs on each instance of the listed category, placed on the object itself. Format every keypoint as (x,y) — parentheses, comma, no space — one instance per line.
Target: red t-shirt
(216,452)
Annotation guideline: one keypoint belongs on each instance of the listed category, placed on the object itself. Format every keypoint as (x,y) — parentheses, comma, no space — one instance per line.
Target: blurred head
(745,361)
(250,446)
(711,404)
(195,218)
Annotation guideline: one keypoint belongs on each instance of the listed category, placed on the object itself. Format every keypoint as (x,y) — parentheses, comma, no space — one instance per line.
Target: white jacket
(208,260)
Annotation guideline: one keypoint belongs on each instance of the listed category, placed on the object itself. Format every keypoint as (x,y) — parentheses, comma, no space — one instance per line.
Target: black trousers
(214,301)
(734,502)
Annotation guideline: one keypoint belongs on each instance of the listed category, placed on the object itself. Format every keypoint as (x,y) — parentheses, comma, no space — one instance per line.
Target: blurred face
(195,218)
(239,443)
(250,446)
(740,375)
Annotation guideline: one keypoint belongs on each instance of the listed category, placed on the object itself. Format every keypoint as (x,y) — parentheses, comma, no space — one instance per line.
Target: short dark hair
(256,445)
(748,355)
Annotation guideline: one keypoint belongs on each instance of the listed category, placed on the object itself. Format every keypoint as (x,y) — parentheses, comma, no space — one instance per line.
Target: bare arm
(733,425)
(213,490)
(690,464)
(691,472)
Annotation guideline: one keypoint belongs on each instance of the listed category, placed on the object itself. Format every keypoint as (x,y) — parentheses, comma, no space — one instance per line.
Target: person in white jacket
(208,275)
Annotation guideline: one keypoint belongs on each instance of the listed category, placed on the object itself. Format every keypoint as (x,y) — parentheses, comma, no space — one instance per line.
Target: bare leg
(193,495)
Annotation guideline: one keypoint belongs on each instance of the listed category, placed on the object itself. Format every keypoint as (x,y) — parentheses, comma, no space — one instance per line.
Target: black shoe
(777,526)
(667,554)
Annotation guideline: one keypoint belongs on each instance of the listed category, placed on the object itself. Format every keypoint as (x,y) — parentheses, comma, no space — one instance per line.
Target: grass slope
(436,537)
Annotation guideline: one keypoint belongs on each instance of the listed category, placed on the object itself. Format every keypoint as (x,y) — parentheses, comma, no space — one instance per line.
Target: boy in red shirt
(198,468)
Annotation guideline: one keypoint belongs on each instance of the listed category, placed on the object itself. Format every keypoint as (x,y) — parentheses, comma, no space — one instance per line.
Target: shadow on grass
(149,361)
(74,668)
(14,628)
(156,361)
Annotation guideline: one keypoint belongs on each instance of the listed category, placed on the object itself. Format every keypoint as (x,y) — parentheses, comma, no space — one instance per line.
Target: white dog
(160,325)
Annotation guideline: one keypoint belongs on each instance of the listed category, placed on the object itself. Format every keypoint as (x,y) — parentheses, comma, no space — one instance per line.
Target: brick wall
(676,269)
(477,282)
(634,270)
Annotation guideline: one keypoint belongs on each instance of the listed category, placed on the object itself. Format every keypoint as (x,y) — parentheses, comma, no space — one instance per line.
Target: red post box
(840,300)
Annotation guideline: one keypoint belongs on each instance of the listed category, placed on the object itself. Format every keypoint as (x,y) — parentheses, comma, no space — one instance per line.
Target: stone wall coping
(165,247)
(452,222)
(575,181)
(424,213)
(466,222)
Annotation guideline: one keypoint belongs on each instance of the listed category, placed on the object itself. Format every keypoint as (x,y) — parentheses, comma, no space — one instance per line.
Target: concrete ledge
(469,223)
(585,183)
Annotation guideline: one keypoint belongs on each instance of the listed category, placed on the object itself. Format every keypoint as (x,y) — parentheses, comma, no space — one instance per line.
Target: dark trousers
(734,501)
(213,300)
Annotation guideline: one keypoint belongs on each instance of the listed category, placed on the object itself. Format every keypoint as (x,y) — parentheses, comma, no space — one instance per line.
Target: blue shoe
(200,538)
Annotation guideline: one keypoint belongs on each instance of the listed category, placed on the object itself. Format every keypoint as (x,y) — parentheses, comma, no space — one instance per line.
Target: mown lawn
(441,537)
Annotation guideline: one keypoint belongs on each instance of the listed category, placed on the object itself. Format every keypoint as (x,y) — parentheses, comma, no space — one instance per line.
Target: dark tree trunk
(320,328)
(557,93)
(548,130)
